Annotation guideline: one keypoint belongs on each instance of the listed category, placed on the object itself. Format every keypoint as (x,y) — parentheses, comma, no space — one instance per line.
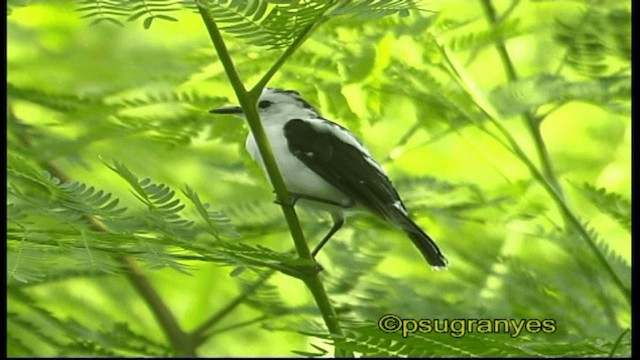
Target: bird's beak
(234,110)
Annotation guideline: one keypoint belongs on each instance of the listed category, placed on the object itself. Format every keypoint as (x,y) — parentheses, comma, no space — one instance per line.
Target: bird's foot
(293,199)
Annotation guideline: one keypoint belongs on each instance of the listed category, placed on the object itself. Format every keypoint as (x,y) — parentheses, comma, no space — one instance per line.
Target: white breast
(297,176)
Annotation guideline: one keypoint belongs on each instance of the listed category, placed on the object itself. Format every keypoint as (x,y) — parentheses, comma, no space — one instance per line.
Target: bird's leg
(297,196)
(338,221)
(337,224)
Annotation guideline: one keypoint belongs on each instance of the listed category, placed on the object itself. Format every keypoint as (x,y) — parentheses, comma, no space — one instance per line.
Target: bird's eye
(264,104)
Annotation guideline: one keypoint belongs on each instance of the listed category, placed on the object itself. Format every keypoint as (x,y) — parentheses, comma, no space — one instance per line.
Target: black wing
(342,165)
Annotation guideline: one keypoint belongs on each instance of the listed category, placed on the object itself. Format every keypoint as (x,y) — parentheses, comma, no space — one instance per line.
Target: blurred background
(91,92)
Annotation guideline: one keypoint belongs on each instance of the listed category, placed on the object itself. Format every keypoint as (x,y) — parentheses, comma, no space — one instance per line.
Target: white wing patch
(398,205)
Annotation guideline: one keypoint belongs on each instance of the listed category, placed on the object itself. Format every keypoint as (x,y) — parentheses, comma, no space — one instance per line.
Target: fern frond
(375,8)
(160,200)
(354,261)
(74,337)
(185,121)
(268,23)
(255,218)
(192,98)
(275,24)
(460,201)
(62,210)
(244,255)
(437,100)
(621,267)
(72,199)
(58,102)
(276,28)
(612,204)
(478,39)
(104,10)
(149,236)
(527,94)
(112,10)
(37,256)
(591,37)
(170,129)
(241,18)
(571,290)
(120,337)
(90,201)
(266,298)
(218,224)
(153,9)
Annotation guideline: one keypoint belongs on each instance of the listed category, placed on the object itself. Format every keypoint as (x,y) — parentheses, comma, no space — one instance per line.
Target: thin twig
(618,341)
(530,121)
(238,325)
(257,89)
(199,333)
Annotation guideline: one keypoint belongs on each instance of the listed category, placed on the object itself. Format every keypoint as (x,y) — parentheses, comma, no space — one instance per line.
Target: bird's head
(275,103)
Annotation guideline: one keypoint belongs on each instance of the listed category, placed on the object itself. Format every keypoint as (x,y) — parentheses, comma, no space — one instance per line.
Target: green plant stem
(248,102)
(617,342)
(178,338)
(533,125)
(512,145)
(257,89)
(530,121)
(239,325)
(133,272)
(199,333)
(329,314)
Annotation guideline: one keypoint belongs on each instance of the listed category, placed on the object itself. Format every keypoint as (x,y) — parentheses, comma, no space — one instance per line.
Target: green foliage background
(117,173)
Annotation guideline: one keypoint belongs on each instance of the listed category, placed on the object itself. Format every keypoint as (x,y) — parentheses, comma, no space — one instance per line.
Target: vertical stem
(248,100)
(530,121)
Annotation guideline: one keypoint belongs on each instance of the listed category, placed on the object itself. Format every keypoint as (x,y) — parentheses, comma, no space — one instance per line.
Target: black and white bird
(326,167)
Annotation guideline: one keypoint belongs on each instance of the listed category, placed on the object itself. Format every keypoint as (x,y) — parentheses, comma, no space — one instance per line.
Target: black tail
(428,248)
(422,241)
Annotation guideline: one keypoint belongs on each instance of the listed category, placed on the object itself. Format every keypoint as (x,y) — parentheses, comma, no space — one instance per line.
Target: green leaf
(237,271)
(147,22)
(612,204)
